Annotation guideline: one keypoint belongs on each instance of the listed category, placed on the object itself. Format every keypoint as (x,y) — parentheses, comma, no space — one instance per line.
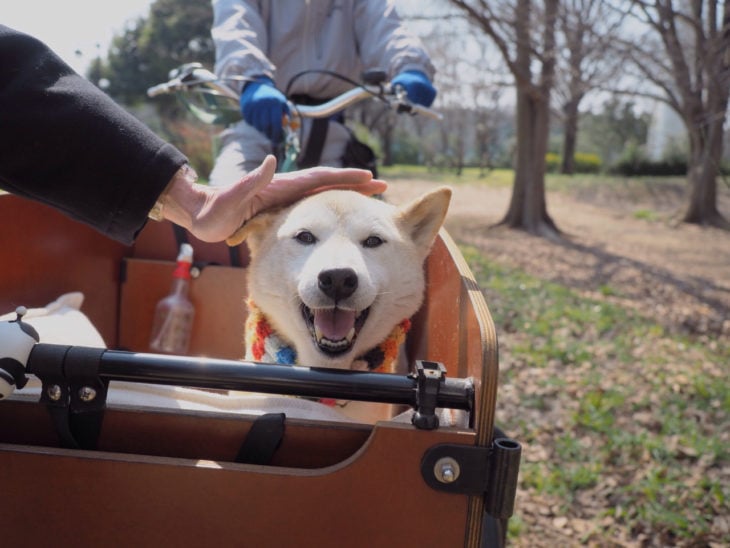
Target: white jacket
(281,38)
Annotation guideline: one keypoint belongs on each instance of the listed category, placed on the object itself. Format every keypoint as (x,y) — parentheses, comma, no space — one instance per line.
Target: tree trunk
(459,153)
(570,111)
(528,209)
(705,158)
(387,140)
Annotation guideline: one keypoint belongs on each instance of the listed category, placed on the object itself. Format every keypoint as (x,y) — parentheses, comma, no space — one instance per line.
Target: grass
(624,425)
(505,178)
(470,175)
(646,215)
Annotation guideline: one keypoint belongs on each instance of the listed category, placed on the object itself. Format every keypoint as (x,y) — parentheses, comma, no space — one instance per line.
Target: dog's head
(336,272)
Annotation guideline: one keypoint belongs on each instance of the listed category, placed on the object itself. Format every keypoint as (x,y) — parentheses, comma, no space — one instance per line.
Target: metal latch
(472,470)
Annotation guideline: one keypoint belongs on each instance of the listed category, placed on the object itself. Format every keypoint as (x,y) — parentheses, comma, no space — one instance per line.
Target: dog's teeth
(351,334)
(318,333)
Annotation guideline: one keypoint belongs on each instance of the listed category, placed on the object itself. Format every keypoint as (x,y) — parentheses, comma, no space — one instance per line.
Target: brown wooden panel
(218,295)
(157,241)
(46,254)
(477,343)
(375,498)
(454,326)
(187,434)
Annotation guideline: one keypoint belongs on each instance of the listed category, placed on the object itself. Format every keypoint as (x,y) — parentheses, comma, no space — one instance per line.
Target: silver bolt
(86,393)
(54,392)
(446,470)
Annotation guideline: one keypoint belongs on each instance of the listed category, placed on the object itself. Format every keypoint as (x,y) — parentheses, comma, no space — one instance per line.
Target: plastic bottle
(174,314)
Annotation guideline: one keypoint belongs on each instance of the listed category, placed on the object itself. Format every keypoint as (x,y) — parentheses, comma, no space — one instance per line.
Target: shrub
(644,166)
(552,162)
(587,163)
(634,162)
(583,162)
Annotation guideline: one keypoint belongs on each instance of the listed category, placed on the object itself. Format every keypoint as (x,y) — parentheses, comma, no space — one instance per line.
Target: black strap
(88,393)
(262,440)
(181,235)
(315,143)
(234,256)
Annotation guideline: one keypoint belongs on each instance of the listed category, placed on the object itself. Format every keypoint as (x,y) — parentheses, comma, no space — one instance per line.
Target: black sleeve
(67,144)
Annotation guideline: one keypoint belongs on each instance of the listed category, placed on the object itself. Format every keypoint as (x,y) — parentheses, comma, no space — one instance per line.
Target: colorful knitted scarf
(264,345)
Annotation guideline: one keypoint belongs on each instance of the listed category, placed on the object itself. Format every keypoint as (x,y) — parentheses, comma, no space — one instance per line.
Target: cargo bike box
(79,468)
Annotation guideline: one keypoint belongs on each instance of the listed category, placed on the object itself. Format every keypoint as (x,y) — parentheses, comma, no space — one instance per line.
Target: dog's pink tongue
(334,323)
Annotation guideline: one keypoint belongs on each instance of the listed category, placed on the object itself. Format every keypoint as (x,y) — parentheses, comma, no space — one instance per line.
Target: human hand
(213,214)
(286,188)
(263,106)
(418,87)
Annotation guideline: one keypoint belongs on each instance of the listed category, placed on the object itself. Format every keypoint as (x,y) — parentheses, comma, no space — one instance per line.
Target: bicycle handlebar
(361,93)
(194,77)
(190,76)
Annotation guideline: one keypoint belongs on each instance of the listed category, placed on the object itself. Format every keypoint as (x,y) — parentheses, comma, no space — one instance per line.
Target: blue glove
(417,85)
(263,106)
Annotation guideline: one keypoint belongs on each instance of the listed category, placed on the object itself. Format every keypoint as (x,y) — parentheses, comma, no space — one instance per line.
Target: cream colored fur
(342,230)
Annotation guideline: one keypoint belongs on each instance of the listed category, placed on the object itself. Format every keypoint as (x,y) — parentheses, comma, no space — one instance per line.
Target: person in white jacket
(261,47)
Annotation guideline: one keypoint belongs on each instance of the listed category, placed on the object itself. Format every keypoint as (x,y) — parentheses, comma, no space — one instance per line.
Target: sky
(71,26)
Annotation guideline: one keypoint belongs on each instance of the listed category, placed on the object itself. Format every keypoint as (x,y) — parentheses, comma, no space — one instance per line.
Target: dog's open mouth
(334,330)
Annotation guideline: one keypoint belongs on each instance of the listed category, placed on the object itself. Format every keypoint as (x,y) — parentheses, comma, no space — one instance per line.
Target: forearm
(65,143)
(240,36)
(386,42)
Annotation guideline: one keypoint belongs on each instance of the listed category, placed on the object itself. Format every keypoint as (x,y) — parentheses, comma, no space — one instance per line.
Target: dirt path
(679,273)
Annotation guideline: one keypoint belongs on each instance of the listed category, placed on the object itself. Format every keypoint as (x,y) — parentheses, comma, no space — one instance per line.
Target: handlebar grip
(425,111)
(159,89)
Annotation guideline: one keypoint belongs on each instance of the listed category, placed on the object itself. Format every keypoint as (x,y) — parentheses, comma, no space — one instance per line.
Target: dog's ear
(250,229)
(423,217)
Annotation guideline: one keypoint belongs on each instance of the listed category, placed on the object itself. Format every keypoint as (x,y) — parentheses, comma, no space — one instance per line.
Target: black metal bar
(249,376)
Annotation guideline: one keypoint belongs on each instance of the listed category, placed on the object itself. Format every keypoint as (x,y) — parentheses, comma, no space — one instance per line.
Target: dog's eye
(373,241)
(305,237)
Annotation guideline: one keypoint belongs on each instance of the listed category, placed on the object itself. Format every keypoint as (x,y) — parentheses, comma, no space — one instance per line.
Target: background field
(614,356)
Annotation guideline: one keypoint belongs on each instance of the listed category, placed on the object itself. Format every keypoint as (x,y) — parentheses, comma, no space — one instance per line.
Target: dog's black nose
(338,283)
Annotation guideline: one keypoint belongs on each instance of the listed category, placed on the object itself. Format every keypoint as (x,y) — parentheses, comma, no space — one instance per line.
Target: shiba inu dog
(335,278)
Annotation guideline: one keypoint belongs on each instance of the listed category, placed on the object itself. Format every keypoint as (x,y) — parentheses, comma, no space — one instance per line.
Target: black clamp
(72,391)
(490,472)
(429,379)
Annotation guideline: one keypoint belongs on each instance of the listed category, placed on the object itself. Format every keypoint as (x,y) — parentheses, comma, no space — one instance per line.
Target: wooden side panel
(46,254)
(218,295)
(157,241)
(166,433)
(454,327)
(440,313)
(375,498)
